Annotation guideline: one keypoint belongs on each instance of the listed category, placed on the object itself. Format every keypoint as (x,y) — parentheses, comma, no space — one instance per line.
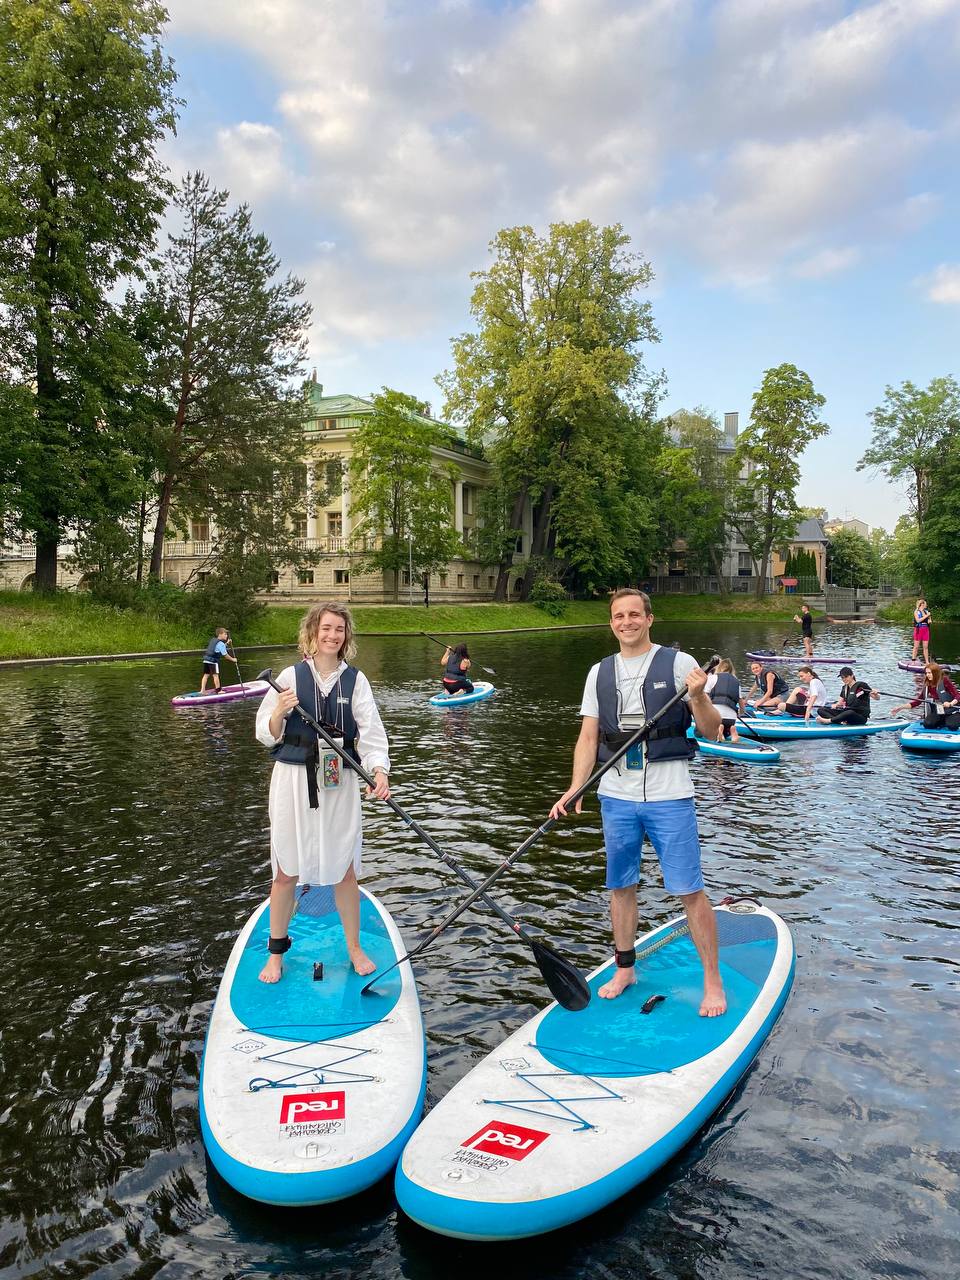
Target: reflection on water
(135,845)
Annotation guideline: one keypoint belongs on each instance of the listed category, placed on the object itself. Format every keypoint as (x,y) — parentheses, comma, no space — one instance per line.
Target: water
(135,845)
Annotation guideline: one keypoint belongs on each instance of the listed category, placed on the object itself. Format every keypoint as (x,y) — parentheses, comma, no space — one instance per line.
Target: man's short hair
(845,671)
(631,591)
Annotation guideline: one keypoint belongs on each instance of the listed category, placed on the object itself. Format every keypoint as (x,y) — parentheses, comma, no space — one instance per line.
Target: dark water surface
(135,845)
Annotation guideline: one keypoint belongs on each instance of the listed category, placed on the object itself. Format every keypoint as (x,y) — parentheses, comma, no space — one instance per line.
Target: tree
(851,560)
(693,493)
(398,498)
(783,421)
(87,93)
(227,340)
(555,356)
(911,431)
(934,556)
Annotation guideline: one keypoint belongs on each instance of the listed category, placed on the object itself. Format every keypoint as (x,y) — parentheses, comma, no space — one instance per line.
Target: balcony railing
(331,544)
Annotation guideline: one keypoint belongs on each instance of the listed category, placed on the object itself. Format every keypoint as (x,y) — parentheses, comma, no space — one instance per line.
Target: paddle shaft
(237,661)
(410,822)
(443,644)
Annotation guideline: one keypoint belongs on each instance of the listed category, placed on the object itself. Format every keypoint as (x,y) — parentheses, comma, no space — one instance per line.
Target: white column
(345,499)
(311,507)
(458,506)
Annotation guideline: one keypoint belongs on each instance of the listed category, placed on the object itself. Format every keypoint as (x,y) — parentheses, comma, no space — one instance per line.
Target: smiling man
(650,792)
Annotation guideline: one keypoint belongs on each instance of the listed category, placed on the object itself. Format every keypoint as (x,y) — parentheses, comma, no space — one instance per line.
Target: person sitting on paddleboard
(806,697)
(456,662)
(316,834)
(215,650)
(650,791)
(724,690)
(921,630)
(770,686)
(940,698)
(853,705)
(805,618)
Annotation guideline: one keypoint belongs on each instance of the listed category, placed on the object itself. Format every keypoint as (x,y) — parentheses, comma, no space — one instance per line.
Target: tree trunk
(541,530)
(761,590)
(716,566)
(506,563)
(141,529)
(160,528)
(45,564)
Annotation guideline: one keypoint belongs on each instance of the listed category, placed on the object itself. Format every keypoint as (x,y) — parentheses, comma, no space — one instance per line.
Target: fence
(693,584)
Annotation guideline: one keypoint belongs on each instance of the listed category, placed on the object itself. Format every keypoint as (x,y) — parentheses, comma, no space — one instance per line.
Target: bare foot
(734,737)
(622,978)
(272,971)
(362,964)
(714,1001)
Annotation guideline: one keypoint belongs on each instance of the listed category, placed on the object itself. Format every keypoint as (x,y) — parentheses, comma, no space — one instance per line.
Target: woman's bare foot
(734,737)
(272,971)
(362,964)
(621,979)
(714,1000)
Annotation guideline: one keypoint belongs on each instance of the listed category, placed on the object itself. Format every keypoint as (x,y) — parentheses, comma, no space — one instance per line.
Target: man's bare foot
(734,737)
(714,1001)
(621,979)
(272,971)
(362,964)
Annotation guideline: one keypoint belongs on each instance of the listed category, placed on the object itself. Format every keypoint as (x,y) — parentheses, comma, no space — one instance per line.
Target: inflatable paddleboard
(916,738)
(308,1090)
(747,750)
(481,689)
(227,693)
(795,658)
(784,728)
(575,1109)
(920,667)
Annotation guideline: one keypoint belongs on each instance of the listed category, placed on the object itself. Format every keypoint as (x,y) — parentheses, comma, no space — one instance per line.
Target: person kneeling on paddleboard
(316,834)
(940,698)
(650,792)
(770,686)
(853,705)
(456,662)
(806,697)
(724,690)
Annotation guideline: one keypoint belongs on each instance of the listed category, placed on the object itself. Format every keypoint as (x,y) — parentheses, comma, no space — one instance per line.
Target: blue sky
(788,167)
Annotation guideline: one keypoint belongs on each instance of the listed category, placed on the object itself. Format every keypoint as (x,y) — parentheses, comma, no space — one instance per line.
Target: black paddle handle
(552,822)
(410,822)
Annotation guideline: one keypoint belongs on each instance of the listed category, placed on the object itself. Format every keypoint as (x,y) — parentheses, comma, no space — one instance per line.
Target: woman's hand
(381,788)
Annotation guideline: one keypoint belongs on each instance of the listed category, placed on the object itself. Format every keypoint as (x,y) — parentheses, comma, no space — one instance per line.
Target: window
(327,424)
(467,500)
(334,478)
(341,577)
(518,545)
(744,565)
(202,578)
(335,524)
(476,582)
(305,577)
(200,530)
(459,579)
(406,578)
(275,578)
(443,579)
(299,525)
(490,583)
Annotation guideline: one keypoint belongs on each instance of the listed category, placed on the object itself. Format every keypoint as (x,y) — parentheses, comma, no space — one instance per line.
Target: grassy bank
(68,624)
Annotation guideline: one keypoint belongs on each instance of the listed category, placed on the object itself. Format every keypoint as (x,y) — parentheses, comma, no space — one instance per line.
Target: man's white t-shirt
(663,779)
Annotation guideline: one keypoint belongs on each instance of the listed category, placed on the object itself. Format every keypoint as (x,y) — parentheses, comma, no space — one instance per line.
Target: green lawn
(73,625)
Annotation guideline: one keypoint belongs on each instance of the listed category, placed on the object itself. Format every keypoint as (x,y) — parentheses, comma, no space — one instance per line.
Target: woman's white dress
(319,845)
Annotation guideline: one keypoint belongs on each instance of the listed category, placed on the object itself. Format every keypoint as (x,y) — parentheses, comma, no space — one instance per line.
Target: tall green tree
(400,499)
(764,471)
(228,339)
(694,483)
(86,94)
(851,560)
(555,355)
(912,429)
(934,557)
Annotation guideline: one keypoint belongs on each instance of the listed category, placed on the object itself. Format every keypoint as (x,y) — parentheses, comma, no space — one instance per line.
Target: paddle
(567,984)
(489,670)
(239,676)
(542,830)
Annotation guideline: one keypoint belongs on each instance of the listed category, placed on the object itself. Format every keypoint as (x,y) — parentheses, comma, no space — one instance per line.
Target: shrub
(548,594)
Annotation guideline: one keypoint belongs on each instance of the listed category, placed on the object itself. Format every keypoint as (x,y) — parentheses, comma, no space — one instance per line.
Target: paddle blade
(567,984)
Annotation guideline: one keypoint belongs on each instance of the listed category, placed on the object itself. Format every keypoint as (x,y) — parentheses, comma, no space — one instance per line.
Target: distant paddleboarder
(456,663)
(921,630)
(215,650)
(805,618)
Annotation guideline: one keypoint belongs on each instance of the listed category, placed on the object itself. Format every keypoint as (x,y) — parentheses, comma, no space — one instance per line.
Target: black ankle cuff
(626,959)
(277,946)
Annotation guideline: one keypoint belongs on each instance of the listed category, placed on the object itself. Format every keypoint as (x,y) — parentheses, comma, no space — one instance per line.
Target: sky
(787,167)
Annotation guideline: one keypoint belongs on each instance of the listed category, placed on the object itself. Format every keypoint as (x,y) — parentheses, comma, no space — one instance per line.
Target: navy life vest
(300,744)
(667,740)
(210,654)
(726,691)
(941,694)
(856,697)
(453,671)
(779,684)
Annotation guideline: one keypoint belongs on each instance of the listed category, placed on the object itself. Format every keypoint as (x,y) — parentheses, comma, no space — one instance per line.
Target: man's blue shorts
(672,828)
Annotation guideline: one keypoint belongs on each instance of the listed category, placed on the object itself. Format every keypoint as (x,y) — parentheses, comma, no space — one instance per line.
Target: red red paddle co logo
(510,1142)
(313,1108)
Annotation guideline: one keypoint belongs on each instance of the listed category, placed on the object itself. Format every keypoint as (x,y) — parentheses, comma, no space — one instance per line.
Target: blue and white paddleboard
(575,1109)
(308,1090)
(790,728)
(916,738)
(481,689)
(746,750)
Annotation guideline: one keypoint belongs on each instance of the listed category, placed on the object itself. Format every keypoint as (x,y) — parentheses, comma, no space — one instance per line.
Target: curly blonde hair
(310,624)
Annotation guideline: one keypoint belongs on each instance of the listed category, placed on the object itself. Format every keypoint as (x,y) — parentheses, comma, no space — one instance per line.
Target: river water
(134,846)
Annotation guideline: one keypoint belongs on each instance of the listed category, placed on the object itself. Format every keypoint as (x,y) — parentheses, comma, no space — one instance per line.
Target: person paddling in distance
(853,705)
(769,685)
(806,697)
(650,792)
(316,832)
(921,630)
(805,618)
(215,650)
(456,663)
(940,699)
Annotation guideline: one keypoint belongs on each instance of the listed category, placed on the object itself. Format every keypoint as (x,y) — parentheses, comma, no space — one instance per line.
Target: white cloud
(251,163)
(826,262)
(943,285)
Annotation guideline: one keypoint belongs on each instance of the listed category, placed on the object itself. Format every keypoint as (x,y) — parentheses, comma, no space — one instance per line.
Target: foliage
(784,419)
(548,594)
(934,557)
(87,94)
(912,429)
(800,563)
(545,382)
(400,503)
(851,560)
(692,489)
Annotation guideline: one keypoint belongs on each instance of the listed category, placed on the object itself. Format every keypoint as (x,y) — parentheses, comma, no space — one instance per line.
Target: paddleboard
(481,689)
(787,727)
(748,751)
(575,1109)
(916,738)
(308,1090)
(795,658)
(920,667)
(227,693)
